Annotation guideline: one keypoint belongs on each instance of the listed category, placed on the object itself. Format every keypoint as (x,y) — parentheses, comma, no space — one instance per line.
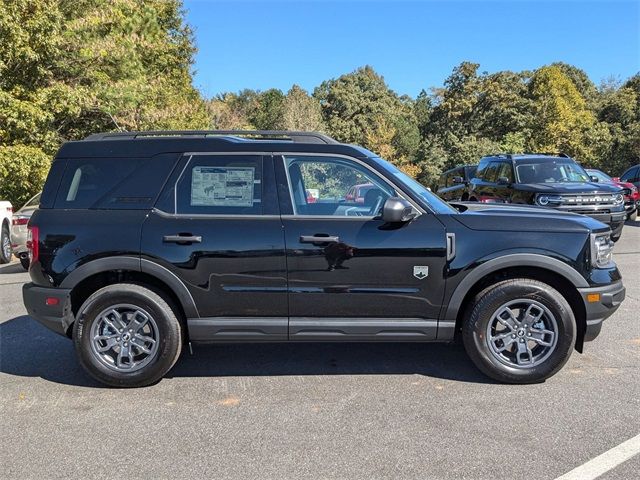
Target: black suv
(550,181)
(144,242)
(452,184)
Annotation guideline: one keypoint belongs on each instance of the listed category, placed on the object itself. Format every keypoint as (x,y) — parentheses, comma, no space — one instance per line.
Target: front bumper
(609,298)
(58,317)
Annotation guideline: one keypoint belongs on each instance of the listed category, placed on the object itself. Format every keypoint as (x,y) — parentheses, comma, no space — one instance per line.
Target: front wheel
(633,216)
(519,331)
(127,335)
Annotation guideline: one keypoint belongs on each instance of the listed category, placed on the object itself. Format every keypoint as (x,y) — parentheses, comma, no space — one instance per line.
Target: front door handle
(319,239)
(182,238)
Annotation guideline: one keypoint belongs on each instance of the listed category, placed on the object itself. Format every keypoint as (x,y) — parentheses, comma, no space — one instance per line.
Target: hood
(568,187)
(523,218)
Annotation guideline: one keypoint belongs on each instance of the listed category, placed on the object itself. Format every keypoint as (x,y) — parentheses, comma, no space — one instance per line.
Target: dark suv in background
(145,242)
(548,181)
(452,184)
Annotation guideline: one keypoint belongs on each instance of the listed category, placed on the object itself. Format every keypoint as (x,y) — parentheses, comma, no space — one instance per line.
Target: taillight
(33,237)
(20,221)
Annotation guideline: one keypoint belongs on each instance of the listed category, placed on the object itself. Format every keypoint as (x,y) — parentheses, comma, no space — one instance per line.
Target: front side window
(220,185)
(341,187)
(506,171)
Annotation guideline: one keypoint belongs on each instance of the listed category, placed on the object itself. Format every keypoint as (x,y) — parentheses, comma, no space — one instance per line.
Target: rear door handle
(319,239)
(180,238)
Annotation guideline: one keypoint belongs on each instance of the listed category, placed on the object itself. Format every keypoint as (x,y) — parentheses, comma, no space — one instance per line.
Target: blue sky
(414,44)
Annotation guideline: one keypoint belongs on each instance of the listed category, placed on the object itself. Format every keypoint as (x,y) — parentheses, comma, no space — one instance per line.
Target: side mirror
(397,210)
(503,181)
(458,179)
(594,178)
(616,179)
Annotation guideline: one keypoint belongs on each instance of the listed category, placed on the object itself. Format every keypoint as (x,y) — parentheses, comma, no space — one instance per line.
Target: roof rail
(294,136)
(508,156)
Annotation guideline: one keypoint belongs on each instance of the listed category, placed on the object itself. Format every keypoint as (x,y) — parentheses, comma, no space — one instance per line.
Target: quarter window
(220,185)
(341,187)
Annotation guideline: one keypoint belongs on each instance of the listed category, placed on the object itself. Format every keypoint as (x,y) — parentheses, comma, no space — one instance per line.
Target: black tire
(24,261)
(633,216)
(481,312)
(169,334)
(5,257)
(615,238)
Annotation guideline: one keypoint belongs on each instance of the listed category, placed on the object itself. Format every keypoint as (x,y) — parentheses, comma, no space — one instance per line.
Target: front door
(217,228)
(351,275)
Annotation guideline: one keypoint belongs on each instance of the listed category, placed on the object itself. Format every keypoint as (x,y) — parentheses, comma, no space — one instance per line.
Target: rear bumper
(57,318)
(610,298)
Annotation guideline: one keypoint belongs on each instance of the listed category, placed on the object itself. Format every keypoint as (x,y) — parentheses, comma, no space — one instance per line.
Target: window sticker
(222,186)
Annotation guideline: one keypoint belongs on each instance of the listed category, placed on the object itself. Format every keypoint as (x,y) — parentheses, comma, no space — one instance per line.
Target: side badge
(420,272)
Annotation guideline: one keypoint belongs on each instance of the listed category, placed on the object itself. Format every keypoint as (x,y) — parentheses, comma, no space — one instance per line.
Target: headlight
(601,249)
(618,199)
(545,200)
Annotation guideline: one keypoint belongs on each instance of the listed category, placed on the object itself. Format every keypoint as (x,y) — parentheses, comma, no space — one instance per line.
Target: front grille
(586,200)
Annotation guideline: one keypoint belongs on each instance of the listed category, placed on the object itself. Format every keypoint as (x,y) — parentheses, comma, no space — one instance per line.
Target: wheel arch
(551,271)
(94,275)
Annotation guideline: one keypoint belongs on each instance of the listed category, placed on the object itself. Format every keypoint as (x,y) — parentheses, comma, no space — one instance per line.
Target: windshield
(550,171)
(432,200)
(601,176)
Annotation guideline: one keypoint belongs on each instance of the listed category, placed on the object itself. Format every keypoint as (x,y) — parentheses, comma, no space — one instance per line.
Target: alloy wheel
(124,338)
(522,333)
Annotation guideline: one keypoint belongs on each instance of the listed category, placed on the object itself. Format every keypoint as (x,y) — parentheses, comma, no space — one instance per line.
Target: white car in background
(19,230)
(6,215)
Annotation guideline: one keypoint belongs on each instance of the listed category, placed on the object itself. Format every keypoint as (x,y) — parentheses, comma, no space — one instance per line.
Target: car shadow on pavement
(11,268)
(30,350)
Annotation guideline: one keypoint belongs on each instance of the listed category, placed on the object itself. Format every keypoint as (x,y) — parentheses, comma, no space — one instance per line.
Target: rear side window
(113,183)
(220,185)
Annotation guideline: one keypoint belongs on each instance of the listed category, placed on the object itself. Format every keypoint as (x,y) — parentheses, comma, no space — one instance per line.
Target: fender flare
(506,261)
(135,264)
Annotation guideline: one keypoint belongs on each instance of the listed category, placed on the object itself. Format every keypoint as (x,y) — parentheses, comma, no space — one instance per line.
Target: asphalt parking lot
(316,411)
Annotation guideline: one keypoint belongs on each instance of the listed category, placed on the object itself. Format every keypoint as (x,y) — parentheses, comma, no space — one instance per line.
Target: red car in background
(357,193)
(630,191)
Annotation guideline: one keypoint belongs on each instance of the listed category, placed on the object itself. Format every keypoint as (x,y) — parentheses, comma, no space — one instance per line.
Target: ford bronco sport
(145,242)
(551,181)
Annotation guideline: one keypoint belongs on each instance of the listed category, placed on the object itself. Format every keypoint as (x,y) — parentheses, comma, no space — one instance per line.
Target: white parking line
(604,462)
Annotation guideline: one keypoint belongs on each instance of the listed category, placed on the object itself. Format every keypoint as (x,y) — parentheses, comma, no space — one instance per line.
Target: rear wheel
(5,244)
(127,335)
(24,261)
(519,331)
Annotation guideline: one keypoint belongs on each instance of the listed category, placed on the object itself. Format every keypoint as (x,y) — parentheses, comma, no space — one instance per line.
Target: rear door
(217,228)
(351,275)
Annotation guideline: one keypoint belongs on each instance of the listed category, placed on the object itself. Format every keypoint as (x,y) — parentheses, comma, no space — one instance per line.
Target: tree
(357,106)
(561,119)
(71,68)
(301,111)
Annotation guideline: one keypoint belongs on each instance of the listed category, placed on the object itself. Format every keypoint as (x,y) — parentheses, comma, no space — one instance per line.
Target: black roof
(145,144)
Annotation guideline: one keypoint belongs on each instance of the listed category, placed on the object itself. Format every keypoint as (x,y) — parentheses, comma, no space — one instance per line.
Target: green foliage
(69,68)
(301,112)
(22,172)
